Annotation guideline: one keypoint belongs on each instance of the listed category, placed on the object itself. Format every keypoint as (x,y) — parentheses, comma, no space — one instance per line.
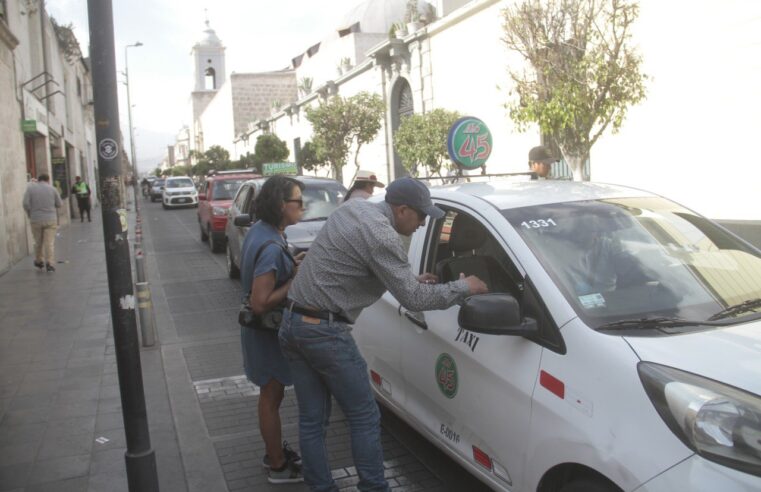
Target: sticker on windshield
(446,375)
(538,223)
(591,301)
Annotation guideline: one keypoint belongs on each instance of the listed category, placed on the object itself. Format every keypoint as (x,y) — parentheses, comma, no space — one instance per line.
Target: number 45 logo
(469,142)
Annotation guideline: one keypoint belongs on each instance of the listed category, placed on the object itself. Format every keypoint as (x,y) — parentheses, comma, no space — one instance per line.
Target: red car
(214,199)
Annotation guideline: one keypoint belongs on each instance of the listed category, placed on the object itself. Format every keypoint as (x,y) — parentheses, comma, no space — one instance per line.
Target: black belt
(314,313)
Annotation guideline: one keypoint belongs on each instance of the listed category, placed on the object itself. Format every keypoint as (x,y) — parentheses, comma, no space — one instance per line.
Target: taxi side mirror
(242,220)
(495,314)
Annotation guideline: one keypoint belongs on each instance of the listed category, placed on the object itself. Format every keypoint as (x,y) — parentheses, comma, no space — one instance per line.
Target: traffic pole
(140,458)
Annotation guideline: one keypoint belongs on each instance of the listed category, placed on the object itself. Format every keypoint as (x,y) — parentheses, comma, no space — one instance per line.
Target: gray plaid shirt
(356,257)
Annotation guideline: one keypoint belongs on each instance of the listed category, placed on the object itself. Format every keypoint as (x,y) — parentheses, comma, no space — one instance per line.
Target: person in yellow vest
(82,191)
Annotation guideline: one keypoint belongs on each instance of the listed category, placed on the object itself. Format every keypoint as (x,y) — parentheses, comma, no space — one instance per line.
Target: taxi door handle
(416,318)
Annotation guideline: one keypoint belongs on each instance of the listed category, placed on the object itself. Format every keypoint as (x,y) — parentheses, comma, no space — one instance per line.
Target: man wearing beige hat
(363,185)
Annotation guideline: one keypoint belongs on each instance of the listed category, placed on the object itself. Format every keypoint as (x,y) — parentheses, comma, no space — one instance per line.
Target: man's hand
(299,257)
(428,278)
(475,284)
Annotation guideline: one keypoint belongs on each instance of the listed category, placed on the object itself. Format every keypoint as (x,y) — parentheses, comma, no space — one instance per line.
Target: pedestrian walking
(82,191)
(41,203)
(266,272)
(363,185)
(356,257)
(540,160)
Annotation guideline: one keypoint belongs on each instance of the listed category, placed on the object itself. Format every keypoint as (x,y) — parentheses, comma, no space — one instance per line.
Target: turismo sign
(272,168)
(469,142)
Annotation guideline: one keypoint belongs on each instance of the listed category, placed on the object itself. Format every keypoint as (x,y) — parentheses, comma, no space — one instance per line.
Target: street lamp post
(131,129)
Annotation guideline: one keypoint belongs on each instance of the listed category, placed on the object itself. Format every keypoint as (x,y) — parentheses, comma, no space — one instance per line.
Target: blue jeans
(325,361)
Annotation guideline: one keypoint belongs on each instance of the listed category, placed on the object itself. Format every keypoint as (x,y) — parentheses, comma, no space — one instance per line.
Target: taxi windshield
(180,183)
(636,258)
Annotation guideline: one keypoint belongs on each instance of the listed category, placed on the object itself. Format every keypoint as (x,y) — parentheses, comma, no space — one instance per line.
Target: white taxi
(179,191)
(619,347)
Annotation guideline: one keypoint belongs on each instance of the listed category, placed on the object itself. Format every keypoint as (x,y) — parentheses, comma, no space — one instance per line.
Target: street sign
(469,142)
(272,168)
(29,126)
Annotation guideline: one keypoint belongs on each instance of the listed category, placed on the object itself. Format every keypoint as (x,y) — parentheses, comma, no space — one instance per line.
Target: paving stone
(69,485)
(14,475)
(59,468)
(56,446)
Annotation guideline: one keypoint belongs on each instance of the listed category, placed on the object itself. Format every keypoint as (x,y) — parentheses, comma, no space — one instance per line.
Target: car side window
(250,206)
(240,200)
(460,243)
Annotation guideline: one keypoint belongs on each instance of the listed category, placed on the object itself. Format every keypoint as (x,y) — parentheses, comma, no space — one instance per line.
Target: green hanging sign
(469,142)
(273,168)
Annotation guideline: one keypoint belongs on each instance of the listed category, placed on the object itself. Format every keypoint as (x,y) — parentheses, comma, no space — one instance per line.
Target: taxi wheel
(214,245)
(589,485)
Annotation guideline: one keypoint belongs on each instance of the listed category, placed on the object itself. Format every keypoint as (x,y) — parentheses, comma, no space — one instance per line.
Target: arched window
(401,107)
(210,81)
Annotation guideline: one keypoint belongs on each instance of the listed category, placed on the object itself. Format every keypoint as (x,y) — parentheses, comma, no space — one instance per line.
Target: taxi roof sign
(273,168)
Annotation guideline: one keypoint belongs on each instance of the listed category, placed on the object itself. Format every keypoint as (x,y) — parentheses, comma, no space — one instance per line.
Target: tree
(338,123)
(247,161)
(585,73)
(308,158)
(157,172)
(269,148)
(216,158)
(181,171)
(421,141)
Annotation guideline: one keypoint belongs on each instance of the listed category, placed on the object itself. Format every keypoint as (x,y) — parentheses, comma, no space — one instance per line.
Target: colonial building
(46,117)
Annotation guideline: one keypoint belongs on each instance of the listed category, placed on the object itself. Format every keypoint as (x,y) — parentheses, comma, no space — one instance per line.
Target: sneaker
(49,267)
(291,473)
(290,455)
(39,264)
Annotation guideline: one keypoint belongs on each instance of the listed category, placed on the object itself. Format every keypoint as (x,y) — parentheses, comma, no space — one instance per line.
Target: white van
(619,348)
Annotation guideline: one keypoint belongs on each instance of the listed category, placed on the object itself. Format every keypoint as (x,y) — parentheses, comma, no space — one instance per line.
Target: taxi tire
(214,245)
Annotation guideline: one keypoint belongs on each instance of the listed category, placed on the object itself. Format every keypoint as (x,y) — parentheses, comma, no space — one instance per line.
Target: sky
(258,35)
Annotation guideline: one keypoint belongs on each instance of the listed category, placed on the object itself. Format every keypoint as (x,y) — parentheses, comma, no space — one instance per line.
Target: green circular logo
(446,375)
(469,142)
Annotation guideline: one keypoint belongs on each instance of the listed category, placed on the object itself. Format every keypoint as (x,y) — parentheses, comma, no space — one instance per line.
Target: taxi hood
(730,355)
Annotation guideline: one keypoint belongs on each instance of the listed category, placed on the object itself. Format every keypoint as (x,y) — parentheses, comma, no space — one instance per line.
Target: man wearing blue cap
(356,257)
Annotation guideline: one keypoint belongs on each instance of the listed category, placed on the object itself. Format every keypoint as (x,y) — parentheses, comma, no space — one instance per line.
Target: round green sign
(446,375)
(469,142)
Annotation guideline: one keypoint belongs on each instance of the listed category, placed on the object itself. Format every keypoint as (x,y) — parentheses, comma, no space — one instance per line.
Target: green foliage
(157,171)
(421,141)
(215,159)
(269,148)
(181,171)
(585,73)
(339,123)
(247,161)
(308,158)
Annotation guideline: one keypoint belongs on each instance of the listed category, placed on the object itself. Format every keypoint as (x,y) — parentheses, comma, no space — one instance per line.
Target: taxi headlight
(218,211)
(719,422)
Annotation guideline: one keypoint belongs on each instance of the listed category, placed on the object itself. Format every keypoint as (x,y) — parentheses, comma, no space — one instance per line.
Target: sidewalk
(61,425)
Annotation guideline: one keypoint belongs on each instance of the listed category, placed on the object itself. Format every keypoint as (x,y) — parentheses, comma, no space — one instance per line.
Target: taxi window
(462,244)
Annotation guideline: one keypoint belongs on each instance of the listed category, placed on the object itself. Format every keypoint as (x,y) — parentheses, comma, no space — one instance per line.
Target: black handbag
(270,320)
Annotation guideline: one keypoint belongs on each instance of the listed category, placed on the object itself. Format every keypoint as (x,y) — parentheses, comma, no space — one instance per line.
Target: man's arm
(27,203)
(389,263)
(57,199)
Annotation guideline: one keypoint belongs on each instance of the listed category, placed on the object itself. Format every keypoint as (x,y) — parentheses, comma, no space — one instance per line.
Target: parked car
(321,196)
(157,189)
(179,191)
(619,347)
(214,199)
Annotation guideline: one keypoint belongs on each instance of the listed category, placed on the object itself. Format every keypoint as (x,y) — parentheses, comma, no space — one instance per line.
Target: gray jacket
(41,201)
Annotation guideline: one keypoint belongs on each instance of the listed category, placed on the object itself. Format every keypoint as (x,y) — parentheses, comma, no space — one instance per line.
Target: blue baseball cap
(414,194)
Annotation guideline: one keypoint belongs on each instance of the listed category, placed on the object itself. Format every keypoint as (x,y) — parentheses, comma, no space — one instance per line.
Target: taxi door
(470,391)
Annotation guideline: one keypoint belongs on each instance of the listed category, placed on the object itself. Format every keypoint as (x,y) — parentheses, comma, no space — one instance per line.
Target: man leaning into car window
(356,257)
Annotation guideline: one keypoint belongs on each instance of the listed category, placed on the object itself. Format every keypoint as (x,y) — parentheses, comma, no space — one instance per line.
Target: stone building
(46,117)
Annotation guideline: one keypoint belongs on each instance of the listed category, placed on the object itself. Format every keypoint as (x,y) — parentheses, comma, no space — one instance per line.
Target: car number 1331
(536,224)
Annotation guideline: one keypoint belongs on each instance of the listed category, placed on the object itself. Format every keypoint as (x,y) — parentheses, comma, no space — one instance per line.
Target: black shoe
(290,455)
(39,264)
(49,267)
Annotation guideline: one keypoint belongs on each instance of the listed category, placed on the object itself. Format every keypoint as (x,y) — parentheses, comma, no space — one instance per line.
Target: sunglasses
(300,201)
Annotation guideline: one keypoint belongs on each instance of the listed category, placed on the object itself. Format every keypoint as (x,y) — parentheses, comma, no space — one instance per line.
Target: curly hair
(269,200)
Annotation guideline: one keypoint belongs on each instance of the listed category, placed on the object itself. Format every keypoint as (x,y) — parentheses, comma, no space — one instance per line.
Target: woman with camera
(266,272)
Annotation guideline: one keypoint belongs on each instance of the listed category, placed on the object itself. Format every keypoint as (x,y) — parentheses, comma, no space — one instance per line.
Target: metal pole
(140,458)
(131,128)
(145,309)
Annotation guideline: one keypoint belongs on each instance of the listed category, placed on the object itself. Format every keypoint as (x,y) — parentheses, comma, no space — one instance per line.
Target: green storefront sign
(469,142)
(29,126)
(272,168)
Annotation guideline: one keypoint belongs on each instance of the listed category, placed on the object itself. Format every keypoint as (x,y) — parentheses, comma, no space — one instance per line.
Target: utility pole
(140,458)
